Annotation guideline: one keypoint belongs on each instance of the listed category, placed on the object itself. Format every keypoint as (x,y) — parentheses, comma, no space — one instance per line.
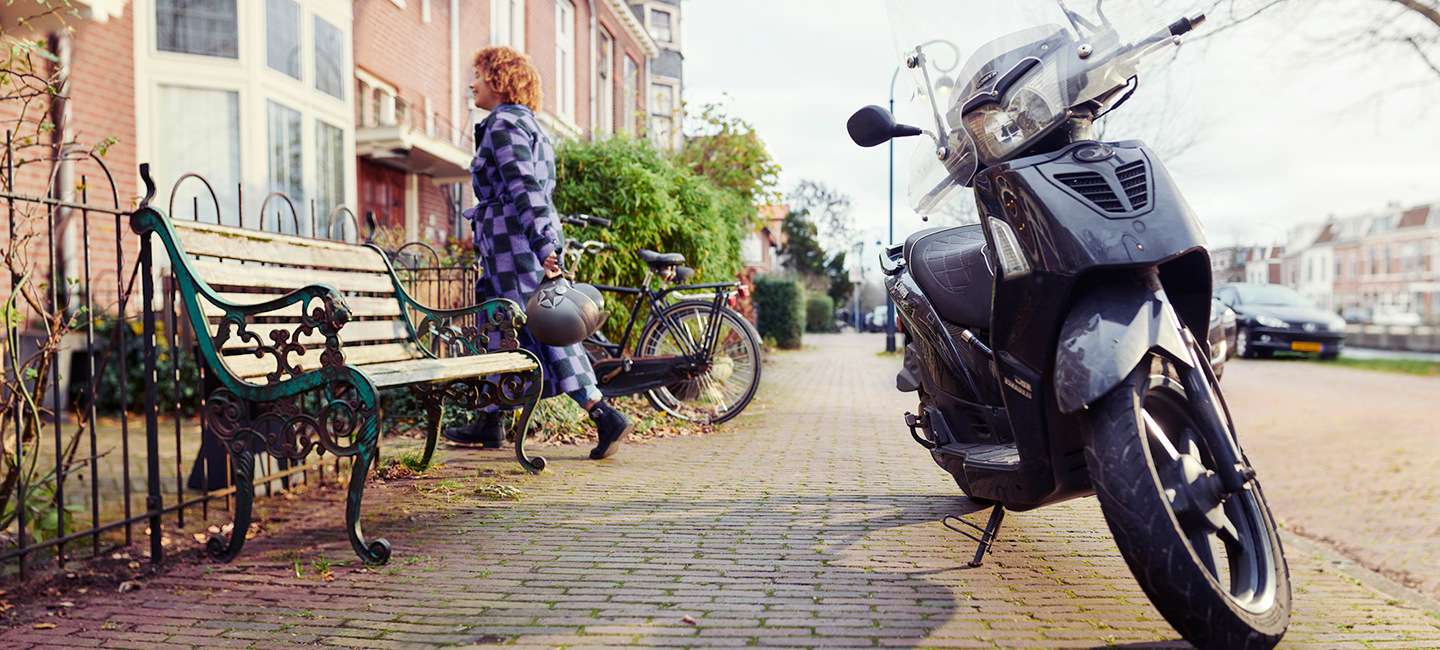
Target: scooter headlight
(1030,108)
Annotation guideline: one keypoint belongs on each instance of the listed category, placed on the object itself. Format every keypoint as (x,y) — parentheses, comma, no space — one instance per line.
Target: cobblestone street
(810,521)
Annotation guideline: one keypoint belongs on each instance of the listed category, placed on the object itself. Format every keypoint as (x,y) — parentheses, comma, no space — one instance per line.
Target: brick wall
(102,105)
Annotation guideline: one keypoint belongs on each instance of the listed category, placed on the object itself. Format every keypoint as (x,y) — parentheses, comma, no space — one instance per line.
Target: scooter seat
(952,267)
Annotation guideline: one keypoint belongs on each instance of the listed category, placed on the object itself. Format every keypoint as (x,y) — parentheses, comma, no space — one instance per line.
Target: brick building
(1388,263)
(355,103)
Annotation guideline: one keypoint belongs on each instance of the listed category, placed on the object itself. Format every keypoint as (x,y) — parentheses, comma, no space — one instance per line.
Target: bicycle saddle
(660,259)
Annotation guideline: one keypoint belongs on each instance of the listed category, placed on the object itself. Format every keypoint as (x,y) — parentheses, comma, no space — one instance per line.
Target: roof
(1327,235)
(1414,218)
(634,27)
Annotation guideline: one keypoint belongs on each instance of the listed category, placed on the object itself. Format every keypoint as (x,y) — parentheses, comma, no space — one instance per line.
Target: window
(329,173)
(282,36)
(662,106)
(507,23)
(287,173)
(606,99)
(565,59)
(632,99)
(207,27)
(329,59)
(660,25)
(200,133)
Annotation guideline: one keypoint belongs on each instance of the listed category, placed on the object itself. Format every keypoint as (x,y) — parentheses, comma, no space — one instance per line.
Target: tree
(827,208)
(1409,27)
(727,150)
(802,250)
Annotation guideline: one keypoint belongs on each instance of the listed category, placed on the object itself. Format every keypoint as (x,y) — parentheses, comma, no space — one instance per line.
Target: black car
(1271,318)
(1222,335)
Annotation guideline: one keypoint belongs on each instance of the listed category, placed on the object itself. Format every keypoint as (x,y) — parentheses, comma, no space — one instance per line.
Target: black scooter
(1058,348)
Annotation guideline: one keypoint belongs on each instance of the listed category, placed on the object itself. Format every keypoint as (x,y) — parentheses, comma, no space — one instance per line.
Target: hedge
(819,313)
(781,306)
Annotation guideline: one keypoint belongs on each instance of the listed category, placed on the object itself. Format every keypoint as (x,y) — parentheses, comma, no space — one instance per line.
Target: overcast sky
(1284,131)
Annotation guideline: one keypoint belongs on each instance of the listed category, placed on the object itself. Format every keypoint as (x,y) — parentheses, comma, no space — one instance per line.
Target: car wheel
(1329,356)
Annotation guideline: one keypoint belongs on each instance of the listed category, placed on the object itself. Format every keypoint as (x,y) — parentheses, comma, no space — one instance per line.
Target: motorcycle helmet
(562,313)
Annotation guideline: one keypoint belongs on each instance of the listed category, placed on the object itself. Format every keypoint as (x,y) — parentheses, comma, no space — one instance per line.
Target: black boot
(613,426)
(487,431)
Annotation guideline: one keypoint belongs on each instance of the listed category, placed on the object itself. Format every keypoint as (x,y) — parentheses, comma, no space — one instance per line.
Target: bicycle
(695,358)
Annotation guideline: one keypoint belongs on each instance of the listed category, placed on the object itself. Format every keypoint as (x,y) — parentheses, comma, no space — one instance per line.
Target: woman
(518,235)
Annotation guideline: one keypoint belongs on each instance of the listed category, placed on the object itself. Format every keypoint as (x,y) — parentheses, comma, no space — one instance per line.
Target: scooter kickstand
(988,533)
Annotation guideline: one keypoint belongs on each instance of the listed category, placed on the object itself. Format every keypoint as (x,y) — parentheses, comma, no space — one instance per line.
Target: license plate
(1306,346)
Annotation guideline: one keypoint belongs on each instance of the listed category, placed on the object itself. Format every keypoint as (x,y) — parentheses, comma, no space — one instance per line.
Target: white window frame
(255,83)
(630,102)
(565,45)
(507,23)
(650,24)
(605,83)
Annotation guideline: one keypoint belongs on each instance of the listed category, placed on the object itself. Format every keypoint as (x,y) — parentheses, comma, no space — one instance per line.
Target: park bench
(298,336)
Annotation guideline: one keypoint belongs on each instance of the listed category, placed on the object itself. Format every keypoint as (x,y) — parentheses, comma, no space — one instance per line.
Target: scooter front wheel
(1210,562)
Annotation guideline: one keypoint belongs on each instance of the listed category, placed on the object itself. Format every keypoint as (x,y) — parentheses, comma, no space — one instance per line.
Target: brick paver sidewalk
(1351,457)
(811,522)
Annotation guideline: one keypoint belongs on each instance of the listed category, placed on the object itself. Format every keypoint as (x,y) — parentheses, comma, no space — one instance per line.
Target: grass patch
(1404,366)
(406,464)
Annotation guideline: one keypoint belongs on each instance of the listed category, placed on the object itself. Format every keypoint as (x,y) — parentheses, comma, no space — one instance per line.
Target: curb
(1365,576)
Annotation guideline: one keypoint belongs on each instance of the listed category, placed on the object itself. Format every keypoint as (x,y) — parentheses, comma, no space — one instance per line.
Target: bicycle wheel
(728,383)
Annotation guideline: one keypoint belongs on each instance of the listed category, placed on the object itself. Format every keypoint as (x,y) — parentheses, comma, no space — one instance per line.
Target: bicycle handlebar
(584,220)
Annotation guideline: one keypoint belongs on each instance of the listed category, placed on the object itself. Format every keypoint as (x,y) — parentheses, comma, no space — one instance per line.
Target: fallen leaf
(201,537)
(83,590)
(44,626)
(327,576)
(127,586)
(687,620)
(67,603)
(134,565)
(215,529)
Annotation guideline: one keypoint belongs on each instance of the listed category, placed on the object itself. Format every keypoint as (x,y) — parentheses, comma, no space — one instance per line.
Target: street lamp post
(890,241)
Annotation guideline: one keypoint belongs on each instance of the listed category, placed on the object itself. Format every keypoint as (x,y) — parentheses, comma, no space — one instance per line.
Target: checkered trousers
(516,227)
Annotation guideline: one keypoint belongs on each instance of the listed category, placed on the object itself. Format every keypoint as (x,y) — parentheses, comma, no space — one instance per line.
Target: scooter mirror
(873,125)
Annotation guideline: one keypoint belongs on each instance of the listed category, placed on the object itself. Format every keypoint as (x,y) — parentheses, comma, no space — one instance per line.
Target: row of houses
(360,103)
(1383,262)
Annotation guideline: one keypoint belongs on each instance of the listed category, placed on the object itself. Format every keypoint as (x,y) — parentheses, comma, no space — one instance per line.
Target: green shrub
(781,306)
(819,313)
(652,203)
(111,386)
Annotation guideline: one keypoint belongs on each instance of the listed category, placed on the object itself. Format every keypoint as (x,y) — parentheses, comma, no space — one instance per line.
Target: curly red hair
(511,74)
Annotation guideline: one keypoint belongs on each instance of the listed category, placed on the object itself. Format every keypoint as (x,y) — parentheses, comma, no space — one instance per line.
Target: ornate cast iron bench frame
(278,394)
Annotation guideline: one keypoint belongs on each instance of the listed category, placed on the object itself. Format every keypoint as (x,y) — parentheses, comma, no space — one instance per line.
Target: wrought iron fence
(89,364)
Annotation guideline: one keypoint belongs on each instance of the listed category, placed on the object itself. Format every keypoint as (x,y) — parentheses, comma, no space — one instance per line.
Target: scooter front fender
(1106,334)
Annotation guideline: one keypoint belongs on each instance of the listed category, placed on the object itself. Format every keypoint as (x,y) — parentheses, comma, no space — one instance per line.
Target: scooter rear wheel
(1212,564)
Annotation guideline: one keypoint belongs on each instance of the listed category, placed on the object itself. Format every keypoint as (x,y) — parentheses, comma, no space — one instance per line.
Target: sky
(1283,129)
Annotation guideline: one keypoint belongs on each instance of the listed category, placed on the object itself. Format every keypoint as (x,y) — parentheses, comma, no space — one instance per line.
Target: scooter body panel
(1087,218)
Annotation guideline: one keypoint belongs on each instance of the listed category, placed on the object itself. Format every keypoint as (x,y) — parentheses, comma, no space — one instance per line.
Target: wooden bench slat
(247,366)
(359,305)
(352,332)
(274,277)
(241,244)
(402,373)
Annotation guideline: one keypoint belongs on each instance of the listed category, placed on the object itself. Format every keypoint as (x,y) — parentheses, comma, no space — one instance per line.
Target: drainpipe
(455,95)
(594,68)
(457,111)
(64,183)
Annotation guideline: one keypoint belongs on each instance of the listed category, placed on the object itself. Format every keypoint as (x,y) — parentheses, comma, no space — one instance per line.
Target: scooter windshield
(991,76)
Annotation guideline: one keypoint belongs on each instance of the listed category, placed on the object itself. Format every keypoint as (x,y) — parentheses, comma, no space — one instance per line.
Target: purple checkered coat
(516,227)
